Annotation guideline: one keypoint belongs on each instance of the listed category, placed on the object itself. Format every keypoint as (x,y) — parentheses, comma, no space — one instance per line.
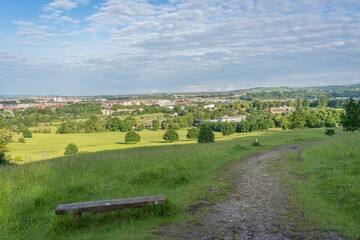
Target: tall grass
(29,193)
(329,191)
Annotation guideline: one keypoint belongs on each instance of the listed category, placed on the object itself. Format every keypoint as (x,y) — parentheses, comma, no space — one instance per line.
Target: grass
(327,186)
(29,193)
(47,146)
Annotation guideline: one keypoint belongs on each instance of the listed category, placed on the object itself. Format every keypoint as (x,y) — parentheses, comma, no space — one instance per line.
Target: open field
(182,173)
(46,146)
(325,183)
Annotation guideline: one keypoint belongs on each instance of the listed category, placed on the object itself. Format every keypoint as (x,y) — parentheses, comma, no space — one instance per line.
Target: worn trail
(257,207)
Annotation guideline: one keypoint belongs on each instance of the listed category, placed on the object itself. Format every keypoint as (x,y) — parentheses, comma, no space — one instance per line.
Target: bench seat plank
(108,205)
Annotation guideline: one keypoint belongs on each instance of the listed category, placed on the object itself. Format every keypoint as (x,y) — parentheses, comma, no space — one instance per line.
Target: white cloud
(242,40)
(64,5)
(32,34)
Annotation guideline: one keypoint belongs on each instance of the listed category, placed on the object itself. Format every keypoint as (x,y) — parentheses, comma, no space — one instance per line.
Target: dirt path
(257,207)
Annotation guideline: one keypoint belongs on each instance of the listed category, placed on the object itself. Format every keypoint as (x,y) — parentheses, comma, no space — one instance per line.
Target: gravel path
(257,207)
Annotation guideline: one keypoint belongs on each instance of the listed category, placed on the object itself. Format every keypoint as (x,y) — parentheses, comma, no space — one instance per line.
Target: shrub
(171,135)
(155,124)
(141,127)
(227,129)
(132,137)
(193,133)
(26,133)
(330,132)
(206,135)
(71,149)
(256,143)
(21,140)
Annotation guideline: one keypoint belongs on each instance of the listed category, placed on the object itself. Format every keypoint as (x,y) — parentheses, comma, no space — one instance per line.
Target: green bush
(256,143)
(155,124)
(21,140)
(71,149)
(171,135)
(26,133)
(206,135)
(193,133)
(132,137)
(329,132)
(141,127)
(227,129)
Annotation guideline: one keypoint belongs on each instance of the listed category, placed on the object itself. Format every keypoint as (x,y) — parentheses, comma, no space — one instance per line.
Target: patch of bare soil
(257,207)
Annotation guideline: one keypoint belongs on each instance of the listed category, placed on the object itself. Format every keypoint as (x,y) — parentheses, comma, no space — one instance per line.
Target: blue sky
(93,47)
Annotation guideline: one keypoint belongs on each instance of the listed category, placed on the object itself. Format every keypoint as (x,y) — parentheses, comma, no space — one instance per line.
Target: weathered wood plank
(108,205)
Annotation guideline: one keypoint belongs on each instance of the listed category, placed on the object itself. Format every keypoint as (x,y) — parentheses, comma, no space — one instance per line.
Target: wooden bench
(107,205)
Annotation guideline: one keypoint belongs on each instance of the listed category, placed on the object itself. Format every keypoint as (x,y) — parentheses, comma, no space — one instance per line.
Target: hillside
(183,173)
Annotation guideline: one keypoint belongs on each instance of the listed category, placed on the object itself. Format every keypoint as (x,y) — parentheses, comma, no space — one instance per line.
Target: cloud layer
(126,46)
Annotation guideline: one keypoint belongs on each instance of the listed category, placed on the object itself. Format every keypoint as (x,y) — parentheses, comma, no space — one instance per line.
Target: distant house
(282,109)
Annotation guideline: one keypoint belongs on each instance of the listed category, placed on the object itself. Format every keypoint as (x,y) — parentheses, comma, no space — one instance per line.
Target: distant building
(221,120)
(210,106)
(198,121)
(232,119)
(1,106)
(107,112)
(282,109)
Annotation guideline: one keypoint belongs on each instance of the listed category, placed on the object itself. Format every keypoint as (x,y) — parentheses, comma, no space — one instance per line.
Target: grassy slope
(329,185)
(46,146)
(30,192)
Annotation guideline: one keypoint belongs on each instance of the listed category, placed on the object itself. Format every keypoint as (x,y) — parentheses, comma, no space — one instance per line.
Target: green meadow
(46,146)
(183,173)
(325,183)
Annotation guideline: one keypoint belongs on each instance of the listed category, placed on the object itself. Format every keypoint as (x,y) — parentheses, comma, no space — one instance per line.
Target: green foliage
(206,135)
(329,132)
(155,124)
(141,127)
(71,149)
(5,138)
(256,143)
(21,140)
(171,135)
(170,124)
(26,133)
(132,137)
(193,133)
(350,120)
(297,119)
(227,129)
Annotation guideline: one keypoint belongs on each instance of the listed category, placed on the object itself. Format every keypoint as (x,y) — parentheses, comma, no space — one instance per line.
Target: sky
(110,47)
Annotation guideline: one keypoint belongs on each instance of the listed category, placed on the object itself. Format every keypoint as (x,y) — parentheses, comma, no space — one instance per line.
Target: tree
(141,127)
(350,120)
(132,137)
(297,119)
(193,133)
(155,124)
(27,133)
(206,135)
(227,129)
(71,149)
(171,135)
(5,138)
